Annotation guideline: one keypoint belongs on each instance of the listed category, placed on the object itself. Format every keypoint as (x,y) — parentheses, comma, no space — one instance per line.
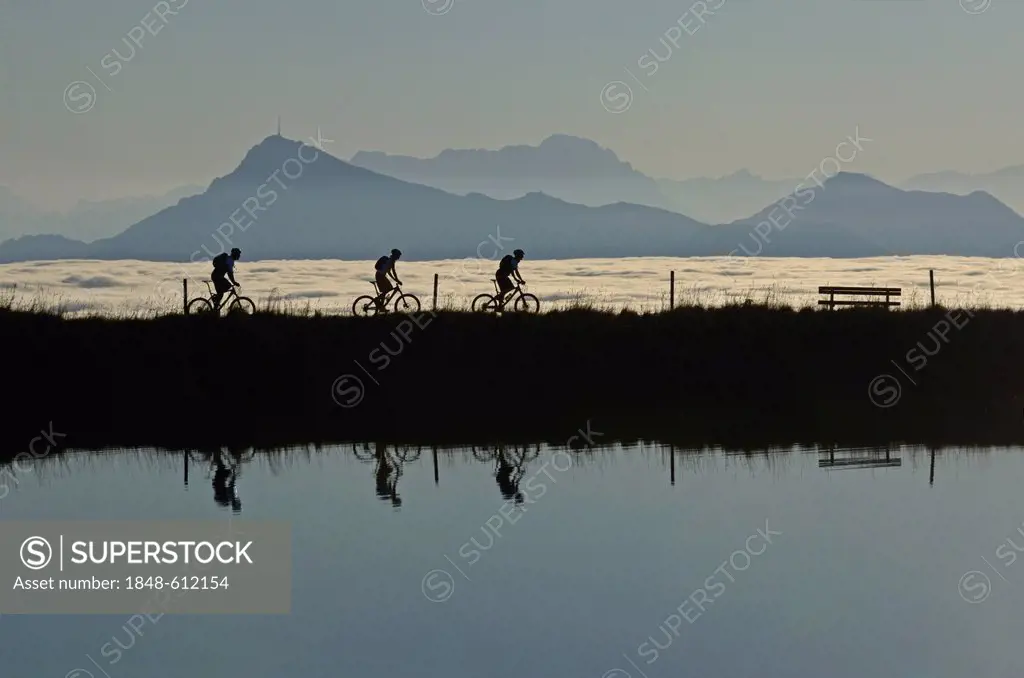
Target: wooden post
(931,278)
(672,462)
(435,292)
(184,293)
(436,476)
(671,290)
(931,473)
(186,469)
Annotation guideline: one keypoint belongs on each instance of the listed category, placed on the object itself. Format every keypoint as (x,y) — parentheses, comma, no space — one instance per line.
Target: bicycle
(367,306)
(241,305)
(524,302)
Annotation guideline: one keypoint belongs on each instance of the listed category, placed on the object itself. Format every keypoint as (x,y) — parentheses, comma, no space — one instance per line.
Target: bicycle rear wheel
(485,303)
(365,306)
(241,306)
(199,306)
(528,303)
(407,303)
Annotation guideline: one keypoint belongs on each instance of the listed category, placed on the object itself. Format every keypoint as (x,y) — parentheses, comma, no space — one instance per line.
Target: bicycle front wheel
(365,306)
(407,303)
(198,306)
(241,306)
(485,303)
(528,303)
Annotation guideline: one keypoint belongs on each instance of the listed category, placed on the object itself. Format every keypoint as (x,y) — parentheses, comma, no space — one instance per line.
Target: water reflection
(509,467)
(224,470)
(388,465)
(611,538)
(858,457)
(509,464)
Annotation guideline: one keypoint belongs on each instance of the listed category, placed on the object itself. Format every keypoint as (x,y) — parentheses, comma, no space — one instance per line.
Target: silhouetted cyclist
(223,269)
(508,269)
(384,268)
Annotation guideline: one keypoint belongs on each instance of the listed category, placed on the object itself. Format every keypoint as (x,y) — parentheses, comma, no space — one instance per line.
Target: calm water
(862,581)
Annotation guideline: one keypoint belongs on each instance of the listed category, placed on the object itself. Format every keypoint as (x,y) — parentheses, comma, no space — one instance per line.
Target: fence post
(671,290)
(435,292)
(931,278)
(184,293)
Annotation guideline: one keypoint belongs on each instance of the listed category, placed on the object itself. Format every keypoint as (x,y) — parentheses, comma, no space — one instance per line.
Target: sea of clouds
(330,286)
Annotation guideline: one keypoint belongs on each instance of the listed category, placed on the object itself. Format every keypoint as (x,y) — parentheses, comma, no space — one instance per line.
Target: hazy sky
(769,85)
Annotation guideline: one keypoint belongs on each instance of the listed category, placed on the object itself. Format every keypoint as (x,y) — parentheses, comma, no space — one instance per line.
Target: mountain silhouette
(858,215)
(333,209)
(1006,184)
(570,168)
(724,199)
(87,220)
(330,209)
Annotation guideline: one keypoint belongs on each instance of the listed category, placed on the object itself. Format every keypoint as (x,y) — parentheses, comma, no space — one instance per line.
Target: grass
(775,296)
(746,369)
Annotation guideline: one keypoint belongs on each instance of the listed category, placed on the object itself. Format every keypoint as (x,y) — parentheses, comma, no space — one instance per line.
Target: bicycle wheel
(241,306)
(365,306)
(485,303)
(528,303)
(198,306)
(407,303)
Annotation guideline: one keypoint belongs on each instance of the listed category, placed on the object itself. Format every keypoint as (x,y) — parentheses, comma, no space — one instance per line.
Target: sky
(768,85)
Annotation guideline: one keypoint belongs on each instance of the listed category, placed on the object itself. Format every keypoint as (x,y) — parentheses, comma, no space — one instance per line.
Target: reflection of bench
(877,292)
(869,461)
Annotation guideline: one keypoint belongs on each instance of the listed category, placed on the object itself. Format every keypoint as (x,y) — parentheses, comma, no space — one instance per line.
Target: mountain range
(1006,184)
(580,171)
(335,209)
(562,166)
(87,220)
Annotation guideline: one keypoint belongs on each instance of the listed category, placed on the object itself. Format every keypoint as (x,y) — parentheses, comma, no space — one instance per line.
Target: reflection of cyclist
(224,478)
(387,477)
(508,476)
(508,269)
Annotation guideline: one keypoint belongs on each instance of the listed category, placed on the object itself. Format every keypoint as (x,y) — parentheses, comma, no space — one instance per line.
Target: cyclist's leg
(504,286)
(221,285)
(383,287)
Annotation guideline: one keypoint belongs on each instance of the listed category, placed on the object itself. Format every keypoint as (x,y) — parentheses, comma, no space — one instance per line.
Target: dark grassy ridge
(694,376)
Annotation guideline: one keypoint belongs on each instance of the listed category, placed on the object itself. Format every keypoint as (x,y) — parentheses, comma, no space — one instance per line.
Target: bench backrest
(880,291)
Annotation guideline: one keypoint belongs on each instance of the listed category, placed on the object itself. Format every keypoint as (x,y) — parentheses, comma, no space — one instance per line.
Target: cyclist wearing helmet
(386,267)
(224,265)
(508,270)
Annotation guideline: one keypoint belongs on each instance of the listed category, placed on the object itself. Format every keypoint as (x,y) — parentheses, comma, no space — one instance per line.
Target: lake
(119,287)
(633,561)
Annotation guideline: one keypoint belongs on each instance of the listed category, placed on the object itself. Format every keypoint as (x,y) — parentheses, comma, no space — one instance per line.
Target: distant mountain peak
(272,154)
(569,141)
(743,175)
(856,180)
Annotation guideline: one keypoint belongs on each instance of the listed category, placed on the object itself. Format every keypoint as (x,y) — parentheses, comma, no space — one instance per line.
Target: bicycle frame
(515,293)
(386,299)
(224,299)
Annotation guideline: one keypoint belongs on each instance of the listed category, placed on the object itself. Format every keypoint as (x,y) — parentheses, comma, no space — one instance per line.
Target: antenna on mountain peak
(279,125)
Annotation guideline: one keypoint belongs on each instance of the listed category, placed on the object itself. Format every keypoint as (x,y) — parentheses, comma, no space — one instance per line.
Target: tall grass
(44,301)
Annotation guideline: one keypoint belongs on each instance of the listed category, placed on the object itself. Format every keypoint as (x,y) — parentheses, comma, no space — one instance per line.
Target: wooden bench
(879,292)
